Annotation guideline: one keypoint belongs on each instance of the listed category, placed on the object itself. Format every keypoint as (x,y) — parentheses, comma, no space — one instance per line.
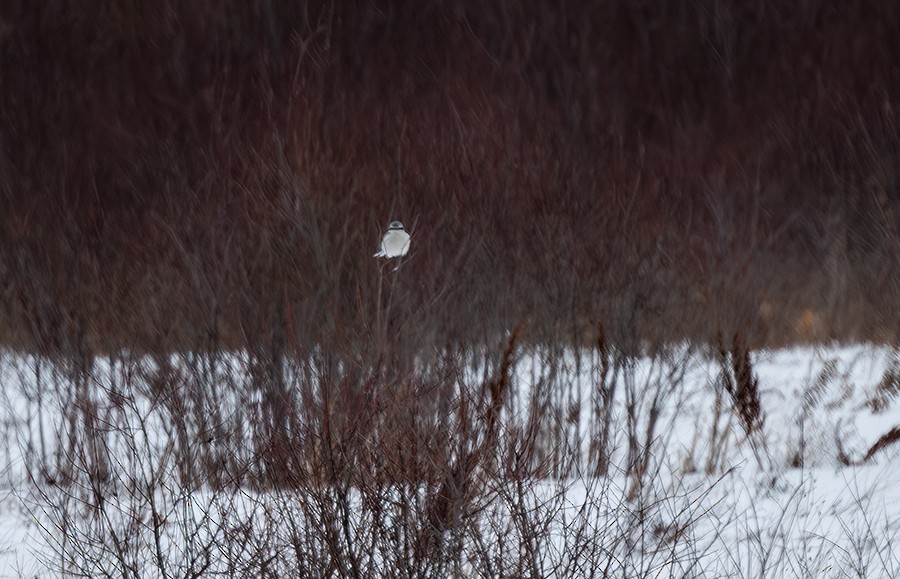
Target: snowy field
(796,497)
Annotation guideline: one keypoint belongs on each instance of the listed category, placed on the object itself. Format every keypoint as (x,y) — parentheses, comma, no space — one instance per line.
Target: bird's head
(395,225)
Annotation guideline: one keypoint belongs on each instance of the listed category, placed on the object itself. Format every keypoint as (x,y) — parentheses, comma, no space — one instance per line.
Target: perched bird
(395,242)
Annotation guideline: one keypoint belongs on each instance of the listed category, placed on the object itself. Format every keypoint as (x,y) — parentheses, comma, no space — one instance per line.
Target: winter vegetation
(646,327)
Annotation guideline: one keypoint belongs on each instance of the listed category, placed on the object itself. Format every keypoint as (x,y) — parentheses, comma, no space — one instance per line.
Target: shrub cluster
(217,174)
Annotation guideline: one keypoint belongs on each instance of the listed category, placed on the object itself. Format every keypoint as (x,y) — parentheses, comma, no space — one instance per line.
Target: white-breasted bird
(395,242)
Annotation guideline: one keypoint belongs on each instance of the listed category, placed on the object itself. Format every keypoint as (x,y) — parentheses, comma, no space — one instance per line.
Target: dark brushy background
(216,174)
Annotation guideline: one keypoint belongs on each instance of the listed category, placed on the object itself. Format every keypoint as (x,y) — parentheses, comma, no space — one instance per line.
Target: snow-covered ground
(782,502)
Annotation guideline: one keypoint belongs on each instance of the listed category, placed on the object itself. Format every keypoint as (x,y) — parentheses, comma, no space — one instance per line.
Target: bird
(395,242)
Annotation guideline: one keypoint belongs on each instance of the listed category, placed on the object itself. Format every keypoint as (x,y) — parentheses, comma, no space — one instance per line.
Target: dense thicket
(189,175)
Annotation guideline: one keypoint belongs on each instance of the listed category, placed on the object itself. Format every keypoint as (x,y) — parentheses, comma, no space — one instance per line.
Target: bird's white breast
(395,243)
